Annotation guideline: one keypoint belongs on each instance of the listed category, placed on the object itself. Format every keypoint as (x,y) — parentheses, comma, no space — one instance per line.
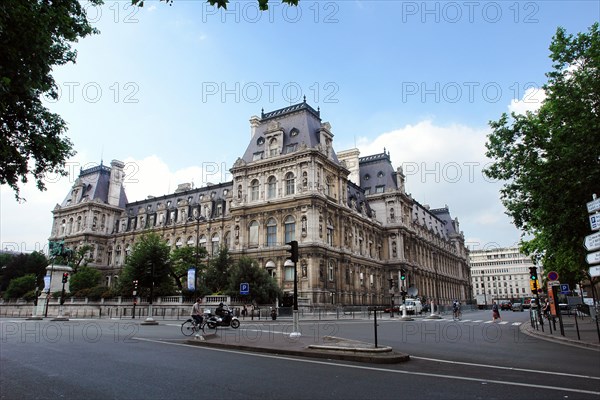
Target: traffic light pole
(294,259)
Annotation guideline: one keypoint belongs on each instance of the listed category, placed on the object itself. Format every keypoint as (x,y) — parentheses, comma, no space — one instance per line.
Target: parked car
(517,306)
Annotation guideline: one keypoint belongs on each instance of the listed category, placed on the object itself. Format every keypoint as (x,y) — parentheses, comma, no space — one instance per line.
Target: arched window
(290,182)
(78,224)
(329,232)
(290,229)
(271,232)
(215,244)
(202,241)
(178,242)
(254,190)
(227,240)
(271,187)
(328,186)
(118,255)
(253,234)
(330,271)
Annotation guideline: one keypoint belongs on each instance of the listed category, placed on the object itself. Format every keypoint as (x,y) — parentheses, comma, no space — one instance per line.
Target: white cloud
(443,166)
(532,101)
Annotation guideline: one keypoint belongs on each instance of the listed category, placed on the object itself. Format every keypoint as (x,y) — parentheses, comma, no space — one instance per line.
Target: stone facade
(355,224)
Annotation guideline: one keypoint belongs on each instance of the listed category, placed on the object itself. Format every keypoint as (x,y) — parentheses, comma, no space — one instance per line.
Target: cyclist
(456,309)
(197,311)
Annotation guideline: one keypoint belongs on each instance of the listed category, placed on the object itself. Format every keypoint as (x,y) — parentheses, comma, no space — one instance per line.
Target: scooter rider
(220,311)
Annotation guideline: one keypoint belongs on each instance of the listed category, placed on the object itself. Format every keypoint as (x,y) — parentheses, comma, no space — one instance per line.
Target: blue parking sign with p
(244,288)
(564,288)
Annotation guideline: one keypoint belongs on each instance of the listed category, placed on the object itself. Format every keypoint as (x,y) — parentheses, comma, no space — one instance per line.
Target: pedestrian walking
(495,312)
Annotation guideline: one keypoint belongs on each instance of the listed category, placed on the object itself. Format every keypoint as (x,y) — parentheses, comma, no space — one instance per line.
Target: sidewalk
(581,332)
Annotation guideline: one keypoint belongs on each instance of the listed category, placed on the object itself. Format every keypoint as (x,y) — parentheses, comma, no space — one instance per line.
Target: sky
(169,90)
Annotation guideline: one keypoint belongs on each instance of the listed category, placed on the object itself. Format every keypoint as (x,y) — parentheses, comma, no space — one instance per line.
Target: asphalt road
(112,359)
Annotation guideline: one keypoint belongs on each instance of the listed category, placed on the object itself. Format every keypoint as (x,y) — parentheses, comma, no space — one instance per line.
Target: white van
(413,306)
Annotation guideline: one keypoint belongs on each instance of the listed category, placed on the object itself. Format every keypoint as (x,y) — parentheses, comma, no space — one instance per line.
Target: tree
(16,266)
(35,36)
(18,287)
(550,158)
(263,5)
(182,259)
(148,263)
(84,278)
(263,288)
(217,273)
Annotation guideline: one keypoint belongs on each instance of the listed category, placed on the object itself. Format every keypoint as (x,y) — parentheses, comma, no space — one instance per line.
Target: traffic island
(329,347)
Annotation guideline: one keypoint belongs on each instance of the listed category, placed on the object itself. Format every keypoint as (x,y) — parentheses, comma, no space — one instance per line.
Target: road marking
(393,371)
(505,368)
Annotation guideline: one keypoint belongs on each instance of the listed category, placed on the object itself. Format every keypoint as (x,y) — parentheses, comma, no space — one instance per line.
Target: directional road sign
(593,205)
(592,242)
(593,258)
(595,271)
(244,288)
(595,221)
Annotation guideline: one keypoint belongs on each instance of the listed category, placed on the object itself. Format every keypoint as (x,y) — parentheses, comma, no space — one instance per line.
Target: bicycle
(457,314)
(190,327)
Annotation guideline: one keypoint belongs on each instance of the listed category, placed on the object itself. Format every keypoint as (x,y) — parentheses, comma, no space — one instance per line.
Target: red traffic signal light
(65,278)
(293,251)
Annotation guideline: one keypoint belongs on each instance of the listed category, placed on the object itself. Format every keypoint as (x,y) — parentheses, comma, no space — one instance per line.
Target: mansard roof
(357,199)
(93,184)
(451,224)
(213,193)
(376,171)
(300,124)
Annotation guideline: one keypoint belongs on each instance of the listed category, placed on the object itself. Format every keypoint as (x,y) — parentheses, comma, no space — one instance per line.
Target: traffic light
(533,273)
(293,251)
(402,274)
(65,277)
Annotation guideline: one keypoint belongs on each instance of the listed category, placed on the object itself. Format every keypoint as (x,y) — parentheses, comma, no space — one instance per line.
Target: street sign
(554,283)
(593,205)
(244,288)
(593,258)
(552,276)
(592,242)
(595,221)
(595,271)
(564,288)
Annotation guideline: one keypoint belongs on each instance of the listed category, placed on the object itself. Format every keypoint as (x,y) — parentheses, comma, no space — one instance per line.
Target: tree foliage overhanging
(35,36)
(263,5)
(550,159)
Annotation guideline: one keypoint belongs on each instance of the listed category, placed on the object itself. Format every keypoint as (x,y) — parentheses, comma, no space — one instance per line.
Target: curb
(366,355)
(528,330)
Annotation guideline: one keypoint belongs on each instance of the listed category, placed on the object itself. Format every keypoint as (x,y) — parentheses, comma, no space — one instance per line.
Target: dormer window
(260,141)
(290,148)
(273,148)
(257,156)
(294,132)
(380,174)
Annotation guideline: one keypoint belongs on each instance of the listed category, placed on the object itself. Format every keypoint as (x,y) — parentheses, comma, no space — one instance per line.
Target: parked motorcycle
(228,319)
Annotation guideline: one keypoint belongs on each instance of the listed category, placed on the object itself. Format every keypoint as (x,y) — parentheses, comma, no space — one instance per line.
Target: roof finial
(305,98)
(262,112)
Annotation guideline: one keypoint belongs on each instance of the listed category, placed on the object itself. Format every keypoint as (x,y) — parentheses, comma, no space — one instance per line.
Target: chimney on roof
(116,182)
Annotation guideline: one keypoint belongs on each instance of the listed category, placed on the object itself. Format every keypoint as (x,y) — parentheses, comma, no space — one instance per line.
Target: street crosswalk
(475,321)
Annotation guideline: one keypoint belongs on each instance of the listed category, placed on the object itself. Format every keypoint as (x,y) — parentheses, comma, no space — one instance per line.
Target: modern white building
(500,273)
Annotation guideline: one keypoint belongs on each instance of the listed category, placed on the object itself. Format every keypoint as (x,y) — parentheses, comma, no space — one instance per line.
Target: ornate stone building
(355,224)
